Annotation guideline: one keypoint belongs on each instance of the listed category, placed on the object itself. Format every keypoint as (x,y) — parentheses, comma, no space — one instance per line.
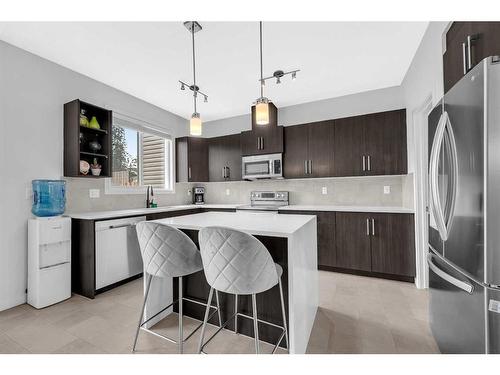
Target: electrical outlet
(387,189)
(189,191)
(228,192)
(94,193)
(324,190)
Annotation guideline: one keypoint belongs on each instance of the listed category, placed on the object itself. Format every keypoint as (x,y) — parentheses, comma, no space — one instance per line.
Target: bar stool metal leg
(255,324)
(236,313)
(284,314)
(205,319)
(181,339)
(141,317)
(218,307)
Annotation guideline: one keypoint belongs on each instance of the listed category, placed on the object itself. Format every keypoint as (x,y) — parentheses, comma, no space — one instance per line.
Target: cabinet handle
(367,227)
(469,57)
(310,166)
(189,173)
(262,142)
(364,163)
(373,227)
(305,167)
(258,143)
(464,57)
(223,172)
(228,172)
(369,163)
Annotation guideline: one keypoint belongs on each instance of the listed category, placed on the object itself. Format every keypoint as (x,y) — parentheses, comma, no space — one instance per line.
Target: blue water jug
(49,197)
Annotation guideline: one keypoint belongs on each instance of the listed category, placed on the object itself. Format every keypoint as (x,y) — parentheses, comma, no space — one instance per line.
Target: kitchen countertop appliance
(464,219)
(266,201)
(198,195)
(261,167)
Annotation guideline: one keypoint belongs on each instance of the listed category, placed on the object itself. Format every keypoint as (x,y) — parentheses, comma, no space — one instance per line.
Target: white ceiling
(146,59)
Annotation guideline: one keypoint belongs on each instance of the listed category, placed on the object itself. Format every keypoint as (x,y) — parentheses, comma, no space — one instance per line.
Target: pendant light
(262,103)
(195,124)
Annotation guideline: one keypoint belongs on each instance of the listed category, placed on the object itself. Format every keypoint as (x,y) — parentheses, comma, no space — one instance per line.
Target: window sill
(110,189)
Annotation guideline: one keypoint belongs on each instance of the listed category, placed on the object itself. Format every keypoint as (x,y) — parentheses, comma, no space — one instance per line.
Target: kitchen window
(142,156)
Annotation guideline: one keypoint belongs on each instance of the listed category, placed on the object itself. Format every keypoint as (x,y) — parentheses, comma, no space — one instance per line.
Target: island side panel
(303,284)
(268,303)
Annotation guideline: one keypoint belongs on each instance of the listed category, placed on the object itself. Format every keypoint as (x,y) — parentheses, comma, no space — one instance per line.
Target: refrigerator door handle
(433,177)
(450,206)
(466,287)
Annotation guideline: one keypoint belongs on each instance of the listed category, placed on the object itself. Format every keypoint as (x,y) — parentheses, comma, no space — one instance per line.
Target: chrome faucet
(149,196)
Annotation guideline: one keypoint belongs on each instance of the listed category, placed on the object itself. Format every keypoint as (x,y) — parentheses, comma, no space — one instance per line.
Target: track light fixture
(195,124)
(262,103)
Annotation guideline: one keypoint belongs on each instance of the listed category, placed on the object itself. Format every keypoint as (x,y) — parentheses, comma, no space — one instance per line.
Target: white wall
(422,88)
(345,106)
(32,94)
(424,78)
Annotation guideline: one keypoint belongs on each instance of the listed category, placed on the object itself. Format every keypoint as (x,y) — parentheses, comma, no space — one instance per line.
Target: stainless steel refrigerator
(464,213)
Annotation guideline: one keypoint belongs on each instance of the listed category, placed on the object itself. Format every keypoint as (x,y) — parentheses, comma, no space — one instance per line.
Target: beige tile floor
(356,315)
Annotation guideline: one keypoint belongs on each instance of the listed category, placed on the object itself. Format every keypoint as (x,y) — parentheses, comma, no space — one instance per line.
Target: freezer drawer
(117,252)
(457,314)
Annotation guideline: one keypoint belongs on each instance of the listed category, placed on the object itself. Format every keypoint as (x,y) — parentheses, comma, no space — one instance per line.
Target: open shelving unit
(78,137)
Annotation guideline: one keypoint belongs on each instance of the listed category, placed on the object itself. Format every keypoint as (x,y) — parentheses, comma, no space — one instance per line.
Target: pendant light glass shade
(195,125)
(262,112)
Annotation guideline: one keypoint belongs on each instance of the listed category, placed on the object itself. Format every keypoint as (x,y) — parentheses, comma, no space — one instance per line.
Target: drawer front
(52,231)
(54,253)
(55,285)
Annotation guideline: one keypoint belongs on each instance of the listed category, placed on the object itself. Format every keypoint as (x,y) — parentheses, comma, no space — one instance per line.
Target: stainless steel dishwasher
(117,253)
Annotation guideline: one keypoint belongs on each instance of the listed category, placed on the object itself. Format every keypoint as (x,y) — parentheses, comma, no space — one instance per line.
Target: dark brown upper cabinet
(373,144)
(224,158)
(263,139)
(309,150)
(192,159)
(78,139)
(467,43)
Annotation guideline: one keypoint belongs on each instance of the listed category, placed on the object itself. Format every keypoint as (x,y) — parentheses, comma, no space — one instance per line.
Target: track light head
(205,99)
(278,80)
(294,76)
(183,87)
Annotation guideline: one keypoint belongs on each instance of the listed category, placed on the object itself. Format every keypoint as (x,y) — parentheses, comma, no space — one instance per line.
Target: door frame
(420,133)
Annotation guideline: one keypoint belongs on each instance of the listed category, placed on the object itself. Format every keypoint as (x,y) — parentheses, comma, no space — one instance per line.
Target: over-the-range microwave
(261,166)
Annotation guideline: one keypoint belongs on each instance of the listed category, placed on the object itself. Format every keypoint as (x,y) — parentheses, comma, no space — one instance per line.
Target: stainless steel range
(266,201)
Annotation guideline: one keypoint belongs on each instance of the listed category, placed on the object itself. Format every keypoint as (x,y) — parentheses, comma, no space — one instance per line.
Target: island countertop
(256,223)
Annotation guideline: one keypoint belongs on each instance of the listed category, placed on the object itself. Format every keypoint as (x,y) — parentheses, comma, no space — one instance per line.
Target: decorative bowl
(84,167)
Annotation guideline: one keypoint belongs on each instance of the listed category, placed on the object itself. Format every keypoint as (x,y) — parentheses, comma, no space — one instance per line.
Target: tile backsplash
(357,191)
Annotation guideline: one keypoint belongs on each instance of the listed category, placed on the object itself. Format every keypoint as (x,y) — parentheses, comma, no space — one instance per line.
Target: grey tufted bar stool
(237,263)
(167,252)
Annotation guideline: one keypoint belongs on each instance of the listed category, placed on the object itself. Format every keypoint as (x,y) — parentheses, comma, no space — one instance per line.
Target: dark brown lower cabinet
(353,241)
(325,233)
(392,243)
(372,244)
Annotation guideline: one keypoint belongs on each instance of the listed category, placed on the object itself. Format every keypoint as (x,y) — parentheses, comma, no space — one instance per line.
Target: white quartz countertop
(323,207)
(256,223)
(97,215)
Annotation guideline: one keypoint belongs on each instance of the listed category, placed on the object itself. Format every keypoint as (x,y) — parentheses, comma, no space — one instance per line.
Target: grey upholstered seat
(166,251)
(236,262)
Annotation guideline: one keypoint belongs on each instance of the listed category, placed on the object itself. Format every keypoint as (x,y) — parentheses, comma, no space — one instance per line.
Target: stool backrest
(236,262)
(166,251)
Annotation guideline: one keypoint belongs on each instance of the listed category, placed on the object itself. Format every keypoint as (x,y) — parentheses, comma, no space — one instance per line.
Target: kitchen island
(292,242)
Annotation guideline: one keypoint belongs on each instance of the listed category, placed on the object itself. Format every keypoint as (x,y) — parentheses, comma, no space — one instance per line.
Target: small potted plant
(95,168)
